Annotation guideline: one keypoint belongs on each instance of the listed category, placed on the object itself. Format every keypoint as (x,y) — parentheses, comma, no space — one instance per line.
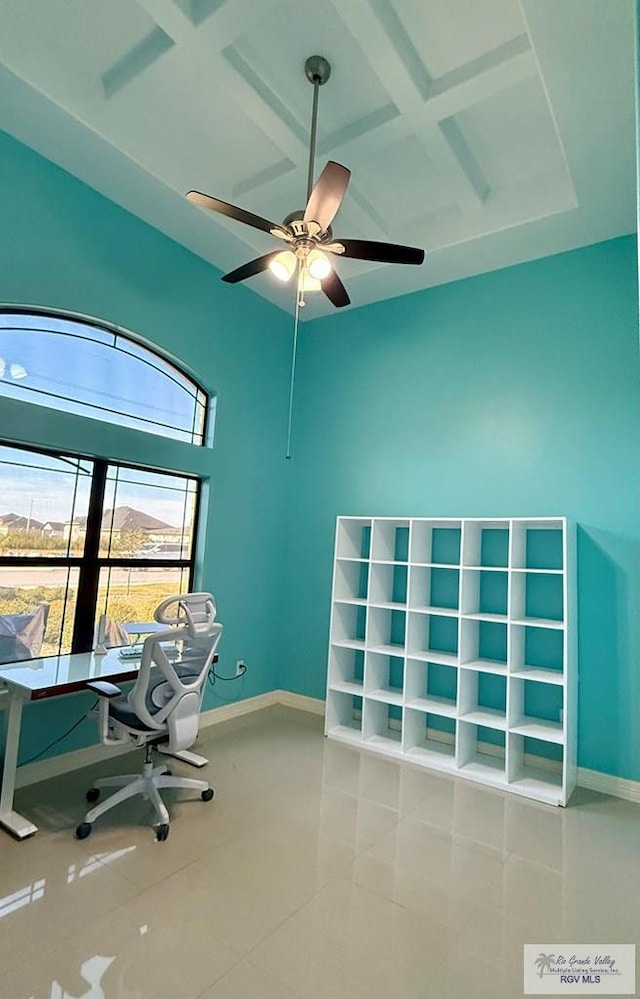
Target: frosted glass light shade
(283,265)
(308,283)
(318,265)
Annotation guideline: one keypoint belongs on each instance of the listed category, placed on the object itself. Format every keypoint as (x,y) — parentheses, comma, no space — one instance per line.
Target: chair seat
(121,710)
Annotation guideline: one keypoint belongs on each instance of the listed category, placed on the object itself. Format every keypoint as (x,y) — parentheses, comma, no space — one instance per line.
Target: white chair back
(168,693)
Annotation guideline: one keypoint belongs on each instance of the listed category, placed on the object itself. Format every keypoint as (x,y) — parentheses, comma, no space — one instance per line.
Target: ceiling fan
(308,233)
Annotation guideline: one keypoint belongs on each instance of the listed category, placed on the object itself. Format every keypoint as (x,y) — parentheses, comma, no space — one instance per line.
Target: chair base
(147,784)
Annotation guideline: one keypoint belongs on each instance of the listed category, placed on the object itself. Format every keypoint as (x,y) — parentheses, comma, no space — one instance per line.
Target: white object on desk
(138,628)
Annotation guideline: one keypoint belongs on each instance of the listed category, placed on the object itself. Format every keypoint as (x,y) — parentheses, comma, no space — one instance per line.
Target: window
(80,537)
(79,367)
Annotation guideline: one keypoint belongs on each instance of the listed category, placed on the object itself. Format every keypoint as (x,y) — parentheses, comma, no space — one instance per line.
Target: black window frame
(91,563)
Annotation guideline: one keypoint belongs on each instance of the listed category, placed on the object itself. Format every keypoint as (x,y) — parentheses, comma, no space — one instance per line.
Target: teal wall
(65,246)
(514,393)
(511,394)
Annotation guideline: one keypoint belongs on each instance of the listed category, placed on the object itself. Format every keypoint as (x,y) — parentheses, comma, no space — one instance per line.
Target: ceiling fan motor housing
(305,230)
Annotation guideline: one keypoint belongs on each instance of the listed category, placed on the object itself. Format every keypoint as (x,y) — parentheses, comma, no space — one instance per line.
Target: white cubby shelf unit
(452,646)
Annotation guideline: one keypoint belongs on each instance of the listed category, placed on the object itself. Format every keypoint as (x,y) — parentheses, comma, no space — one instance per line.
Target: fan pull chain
(293,364)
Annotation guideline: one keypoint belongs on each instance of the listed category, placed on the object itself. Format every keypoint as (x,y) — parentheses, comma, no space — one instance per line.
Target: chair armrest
(104,688)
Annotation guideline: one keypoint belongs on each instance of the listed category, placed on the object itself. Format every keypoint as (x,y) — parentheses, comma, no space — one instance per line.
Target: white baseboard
(618,787)
(31,773)
(235,709)
(312,704)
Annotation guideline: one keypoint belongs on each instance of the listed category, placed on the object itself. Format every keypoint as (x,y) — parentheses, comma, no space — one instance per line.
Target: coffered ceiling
(488,132)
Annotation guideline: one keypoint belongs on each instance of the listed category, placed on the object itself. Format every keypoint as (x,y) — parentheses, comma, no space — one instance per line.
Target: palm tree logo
(544,962)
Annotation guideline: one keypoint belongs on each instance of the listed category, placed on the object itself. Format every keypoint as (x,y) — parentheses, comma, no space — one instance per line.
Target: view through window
(81,537)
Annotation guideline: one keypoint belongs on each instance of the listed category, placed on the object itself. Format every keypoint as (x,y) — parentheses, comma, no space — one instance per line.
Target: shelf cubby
(536,769)
(382,726)
(429,738)
(483,645)
(351,581)
(349,625)
(386,631)
(485,594)
(353,540)
(481,752)
(384,678)
(483,698)
(433,637)
(431,686)
(435,589)
(485,544)
(453,645)
(344,716)
(537,654)
(537,598)
(436,542)
(538,545)
(536,709)
(388,585)
(390,541)
(347,669)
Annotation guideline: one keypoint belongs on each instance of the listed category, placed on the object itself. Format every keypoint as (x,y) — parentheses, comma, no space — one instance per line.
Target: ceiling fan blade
(232,212)
(249,270)
(327,195)
(384,253)
(335,291)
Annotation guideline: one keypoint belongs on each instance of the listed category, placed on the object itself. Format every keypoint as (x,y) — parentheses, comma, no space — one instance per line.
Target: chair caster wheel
(83,830)
(162,831)
(93,794)
(208,794)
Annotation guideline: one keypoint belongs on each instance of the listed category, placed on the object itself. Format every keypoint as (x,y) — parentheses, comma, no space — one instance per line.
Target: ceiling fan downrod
(317,71)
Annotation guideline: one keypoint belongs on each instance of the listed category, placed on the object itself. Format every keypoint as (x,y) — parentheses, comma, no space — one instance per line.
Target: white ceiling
(488,132)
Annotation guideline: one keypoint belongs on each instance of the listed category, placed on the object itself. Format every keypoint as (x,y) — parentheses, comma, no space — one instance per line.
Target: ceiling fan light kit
(308,233)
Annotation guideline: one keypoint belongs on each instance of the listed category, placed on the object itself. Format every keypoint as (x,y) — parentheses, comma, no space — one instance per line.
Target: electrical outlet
(240,667)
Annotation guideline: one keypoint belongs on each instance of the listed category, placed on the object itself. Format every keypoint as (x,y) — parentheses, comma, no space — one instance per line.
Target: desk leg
(10,820)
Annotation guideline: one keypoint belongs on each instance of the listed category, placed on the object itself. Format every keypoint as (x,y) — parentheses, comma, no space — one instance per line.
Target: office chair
(162,707)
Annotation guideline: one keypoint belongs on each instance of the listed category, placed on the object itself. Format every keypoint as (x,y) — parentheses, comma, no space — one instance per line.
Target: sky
(46,495)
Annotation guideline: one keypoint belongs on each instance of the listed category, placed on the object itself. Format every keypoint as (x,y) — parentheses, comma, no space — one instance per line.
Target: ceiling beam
(428,104)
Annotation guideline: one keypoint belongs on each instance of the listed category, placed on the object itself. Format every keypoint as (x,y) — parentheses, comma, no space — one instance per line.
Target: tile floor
(315,873)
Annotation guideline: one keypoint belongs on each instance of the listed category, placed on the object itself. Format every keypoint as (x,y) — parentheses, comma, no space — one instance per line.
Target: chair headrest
(196,611)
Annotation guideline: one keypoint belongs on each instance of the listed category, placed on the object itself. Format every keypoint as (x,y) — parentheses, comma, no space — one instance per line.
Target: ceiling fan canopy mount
(317,69)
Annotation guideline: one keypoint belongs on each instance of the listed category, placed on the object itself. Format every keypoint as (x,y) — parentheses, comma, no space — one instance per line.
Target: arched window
(82,536)
(80,367)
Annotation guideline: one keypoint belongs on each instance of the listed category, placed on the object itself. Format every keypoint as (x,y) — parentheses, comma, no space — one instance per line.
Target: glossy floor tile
(315,873)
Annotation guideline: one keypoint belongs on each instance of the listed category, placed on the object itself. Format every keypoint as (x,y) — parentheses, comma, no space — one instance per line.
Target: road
(25,579)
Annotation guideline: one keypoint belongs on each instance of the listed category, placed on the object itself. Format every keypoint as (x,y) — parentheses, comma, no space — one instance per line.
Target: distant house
(124,519)
(54,528)
(10,522)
